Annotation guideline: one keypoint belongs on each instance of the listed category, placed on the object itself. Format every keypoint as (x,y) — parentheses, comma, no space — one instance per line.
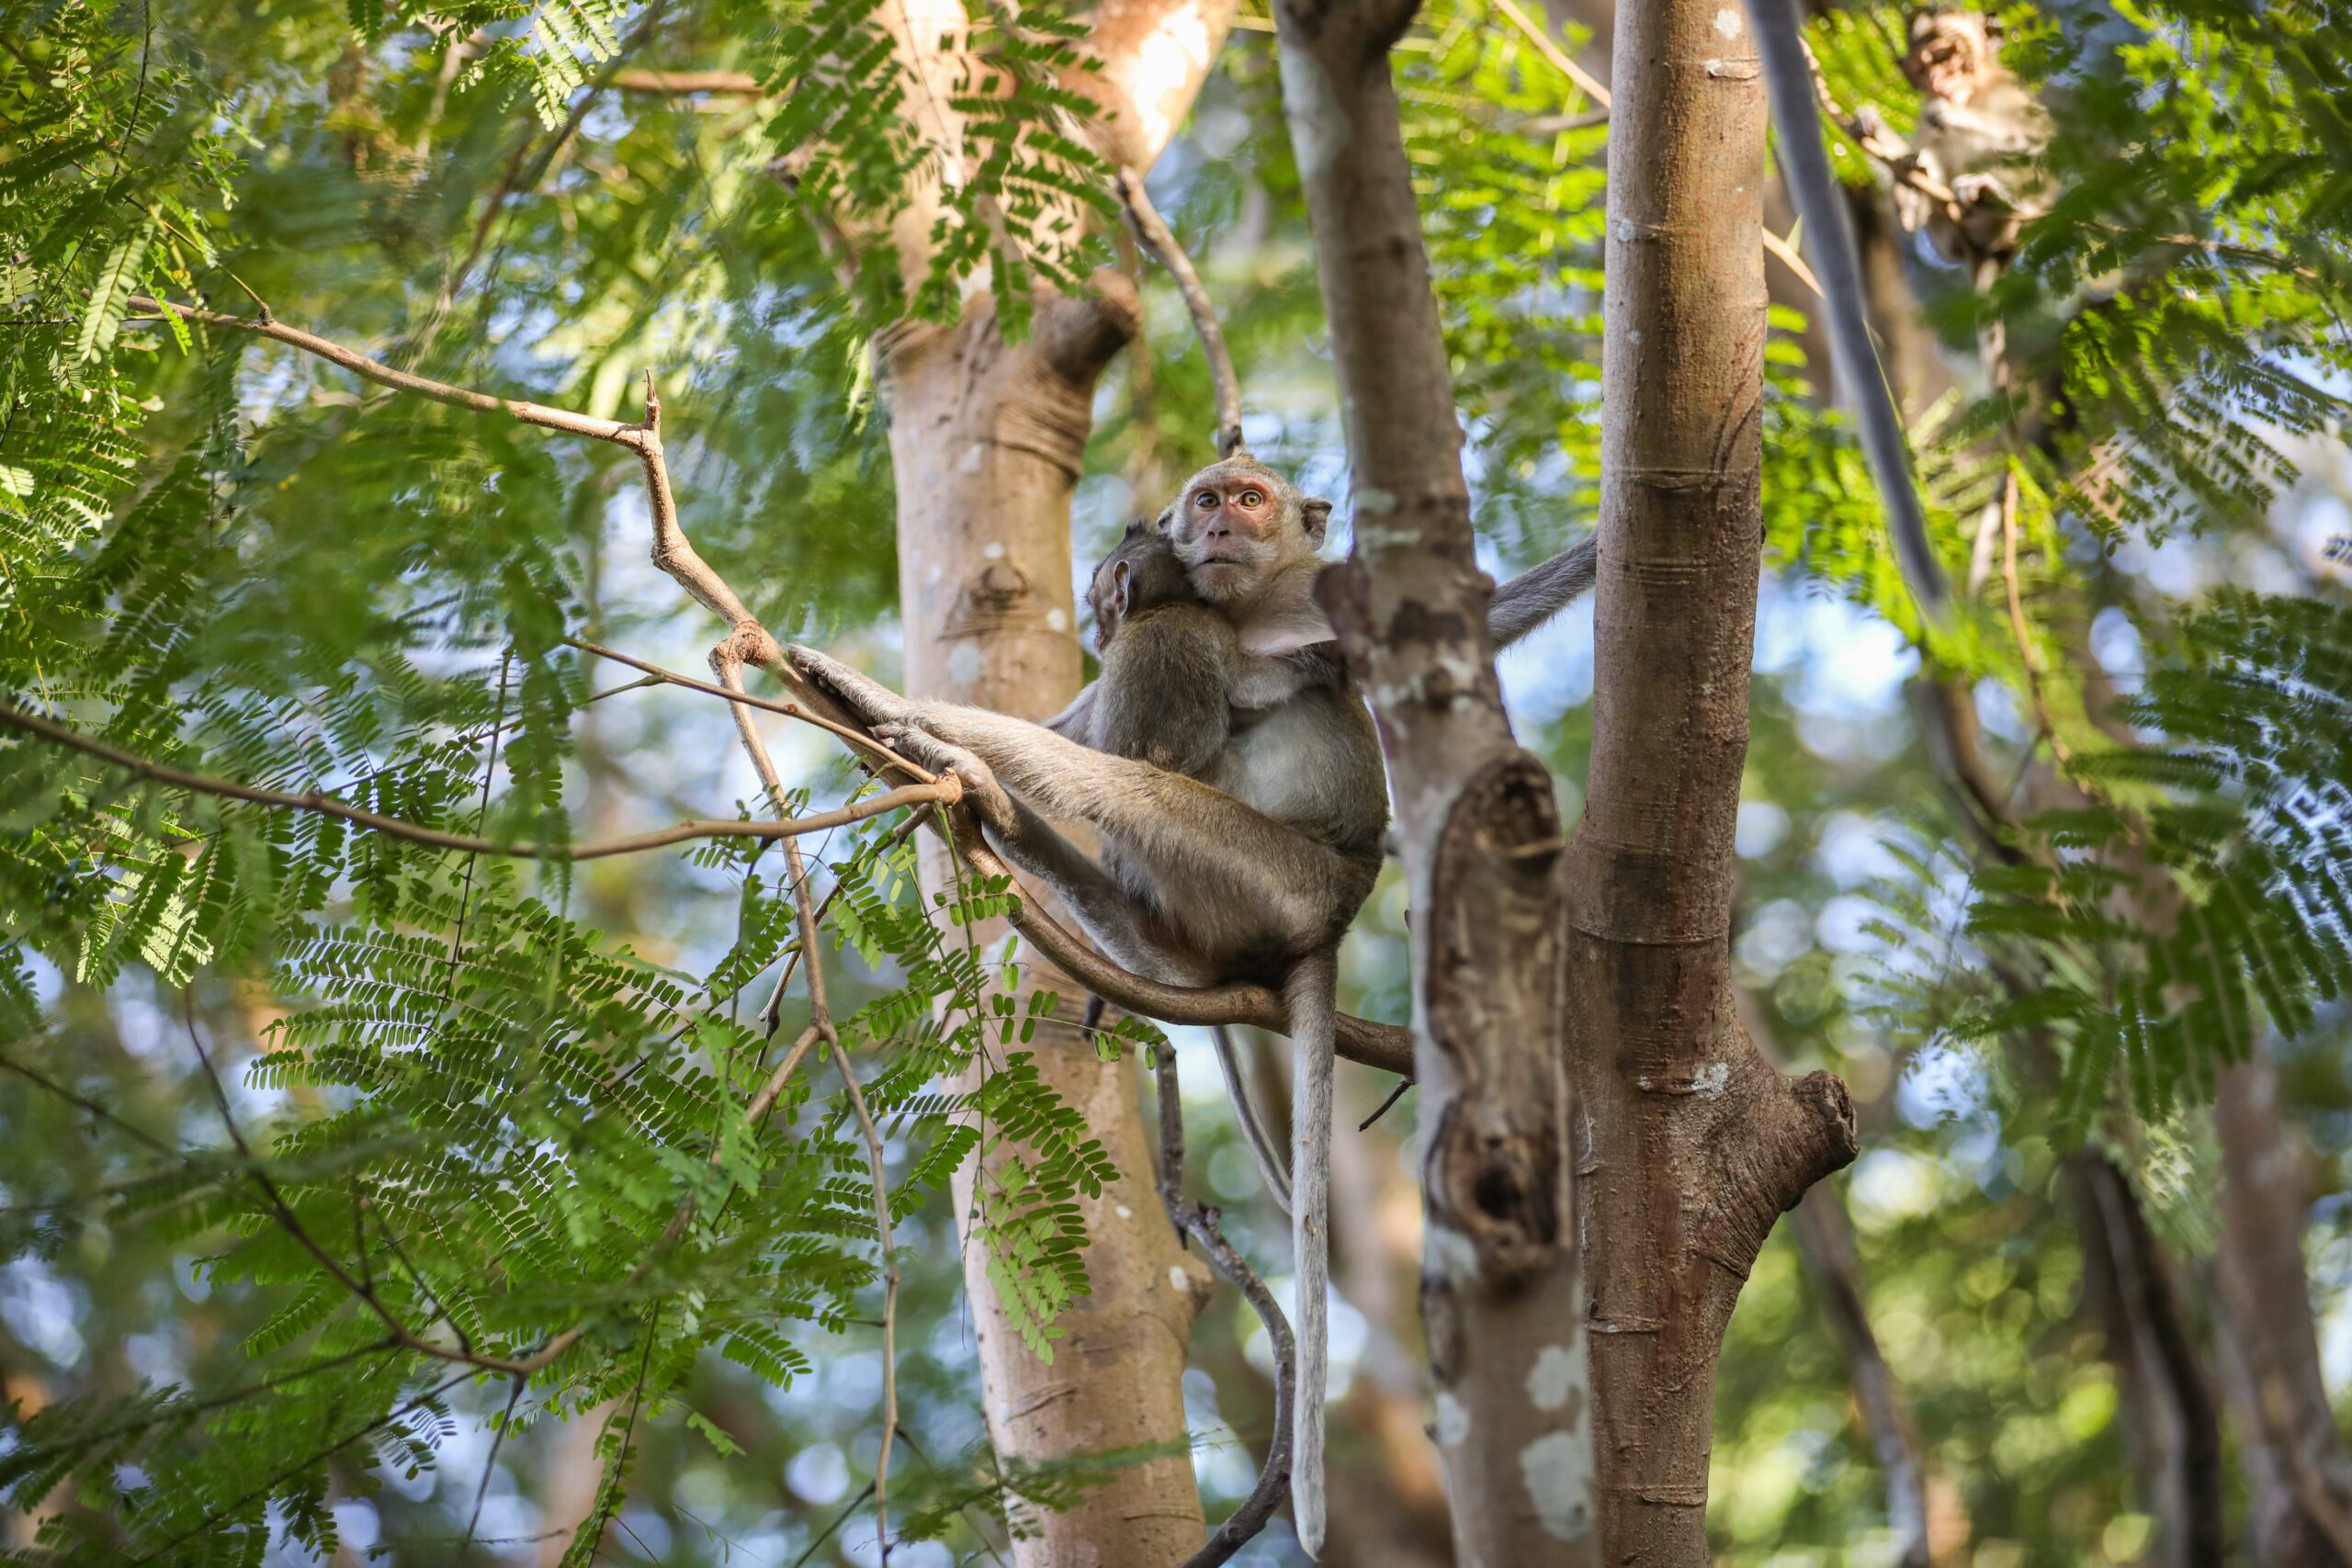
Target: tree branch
(944,791)
(1200,1223)
(732,83)
(1152,232)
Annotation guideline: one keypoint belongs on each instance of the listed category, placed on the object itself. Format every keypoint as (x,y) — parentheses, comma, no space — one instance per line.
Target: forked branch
(1152,232)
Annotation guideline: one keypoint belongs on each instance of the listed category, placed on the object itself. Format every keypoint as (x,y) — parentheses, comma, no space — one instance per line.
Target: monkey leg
(1111,917)
(1233,879)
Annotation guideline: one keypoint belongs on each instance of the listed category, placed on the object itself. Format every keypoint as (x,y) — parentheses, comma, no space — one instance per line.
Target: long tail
(1271,1165)
(1311,991)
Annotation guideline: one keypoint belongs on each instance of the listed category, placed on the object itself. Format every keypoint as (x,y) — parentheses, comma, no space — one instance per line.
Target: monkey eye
(1203,498)
(1252,498)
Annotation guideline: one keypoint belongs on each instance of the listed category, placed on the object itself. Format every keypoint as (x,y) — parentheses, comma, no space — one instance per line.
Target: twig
(1382,1109)
(656,675)
(1200,1223)
(2018,627)
(1550,48)
(769,1092)
(673,552)
(889,1291)
(1153,233)
(947,790)
(91,1106)
(772,1014)
(522,1368)
(732,83)
(839,1519)
(727,662)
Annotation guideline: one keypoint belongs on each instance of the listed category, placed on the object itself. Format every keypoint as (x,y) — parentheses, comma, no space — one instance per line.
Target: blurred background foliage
(223,552)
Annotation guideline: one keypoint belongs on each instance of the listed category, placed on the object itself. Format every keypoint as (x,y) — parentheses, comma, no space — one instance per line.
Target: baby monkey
(1171,667)
(1169,660)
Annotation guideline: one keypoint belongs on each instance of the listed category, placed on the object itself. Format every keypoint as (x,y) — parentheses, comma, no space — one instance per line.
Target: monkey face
(1236,520)
(1949,50)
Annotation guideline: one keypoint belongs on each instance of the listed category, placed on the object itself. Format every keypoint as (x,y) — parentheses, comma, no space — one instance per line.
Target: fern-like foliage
(2199,895)
(462,1134)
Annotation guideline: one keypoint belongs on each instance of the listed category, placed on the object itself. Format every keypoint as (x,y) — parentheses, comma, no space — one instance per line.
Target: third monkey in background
(1981,134)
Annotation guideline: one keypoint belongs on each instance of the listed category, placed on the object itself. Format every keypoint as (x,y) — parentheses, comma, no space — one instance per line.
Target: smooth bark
(1698,1143)
(1480,834)
(985,440)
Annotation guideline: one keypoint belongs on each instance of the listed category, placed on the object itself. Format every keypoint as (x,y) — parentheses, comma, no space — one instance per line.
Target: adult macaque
(1173,673)
(1251,871)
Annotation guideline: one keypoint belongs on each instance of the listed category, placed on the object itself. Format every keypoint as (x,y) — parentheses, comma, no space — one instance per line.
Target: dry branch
(944,791)
(1199,1223)
(1152,232)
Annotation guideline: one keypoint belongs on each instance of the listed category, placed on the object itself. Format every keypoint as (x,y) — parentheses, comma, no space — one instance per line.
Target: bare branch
(1549,47)
(1153,233)
(889,1286)
(656,675)
(671,551)
(946,791)
(1200,1223)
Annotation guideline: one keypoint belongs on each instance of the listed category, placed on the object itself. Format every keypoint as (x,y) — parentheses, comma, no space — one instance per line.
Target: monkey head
(1237,524)
(1952,53)
(1141,574)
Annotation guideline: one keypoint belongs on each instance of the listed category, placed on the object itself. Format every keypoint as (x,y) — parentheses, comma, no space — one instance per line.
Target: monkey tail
(1272,1166)
(1311,992)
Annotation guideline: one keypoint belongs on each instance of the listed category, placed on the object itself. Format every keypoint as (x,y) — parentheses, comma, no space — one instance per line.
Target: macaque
(1981,134)
(1251,868)
(1172,669)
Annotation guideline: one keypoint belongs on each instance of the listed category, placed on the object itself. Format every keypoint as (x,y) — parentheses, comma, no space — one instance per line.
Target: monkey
(1166,697)
(1981,134)
(1253,869)
(1829,230)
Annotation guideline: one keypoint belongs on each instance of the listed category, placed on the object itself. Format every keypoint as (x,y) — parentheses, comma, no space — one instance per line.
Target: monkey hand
(982,792)
(1982,190)
(870,700)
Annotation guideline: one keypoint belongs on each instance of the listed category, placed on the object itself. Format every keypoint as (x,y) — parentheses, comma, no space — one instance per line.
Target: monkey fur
(1981,134)
(1170,666)
(1250,868)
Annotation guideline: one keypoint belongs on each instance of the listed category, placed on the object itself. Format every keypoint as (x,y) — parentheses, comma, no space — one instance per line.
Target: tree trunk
(1502,1273)
(985,438)
(1700,1143)
(2293,1453)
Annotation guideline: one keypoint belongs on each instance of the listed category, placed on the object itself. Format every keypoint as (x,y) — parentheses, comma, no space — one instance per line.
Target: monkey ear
(1996,30)
(1122,596)
(1316,513)
(1166,515)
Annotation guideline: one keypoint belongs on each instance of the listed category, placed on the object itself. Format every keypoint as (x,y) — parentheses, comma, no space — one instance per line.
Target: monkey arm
(1537,594)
